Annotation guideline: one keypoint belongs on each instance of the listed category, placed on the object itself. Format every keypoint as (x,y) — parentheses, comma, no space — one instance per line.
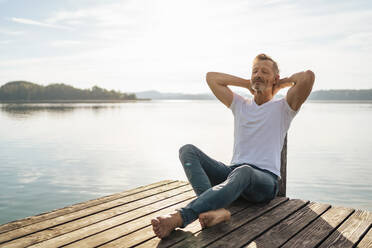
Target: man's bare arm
(298,93)
(218,83)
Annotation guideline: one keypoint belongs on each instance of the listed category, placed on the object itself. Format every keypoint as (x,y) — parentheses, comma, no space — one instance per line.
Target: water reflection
(25,110)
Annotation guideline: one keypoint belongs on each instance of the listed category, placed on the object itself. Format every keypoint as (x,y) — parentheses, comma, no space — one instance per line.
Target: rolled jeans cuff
(188,216)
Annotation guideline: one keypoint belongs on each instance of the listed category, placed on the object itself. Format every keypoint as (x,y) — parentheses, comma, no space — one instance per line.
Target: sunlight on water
(54,155)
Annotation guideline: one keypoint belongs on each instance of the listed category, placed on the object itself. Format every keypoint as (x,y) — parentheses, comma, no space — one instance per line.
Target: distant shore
(338,101)
(73,101)
(148,99)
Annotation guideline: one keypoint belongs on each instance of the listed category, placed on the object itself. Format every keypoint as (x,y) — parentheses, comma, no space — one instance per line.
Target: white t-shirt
(259,131)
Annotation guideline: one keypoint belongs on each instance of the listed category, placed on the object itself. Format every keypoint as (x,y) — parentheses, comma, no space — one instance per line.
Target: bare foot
(213,217)
(165,224)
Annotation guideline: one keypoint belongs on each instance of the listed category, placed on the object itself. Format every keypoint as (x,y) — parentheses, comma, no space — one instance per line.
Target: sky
(170,45)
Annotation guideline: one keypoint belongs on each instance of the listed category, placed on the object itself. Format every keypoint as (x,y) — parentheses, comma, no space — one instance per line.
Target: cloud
(37,23)
(107,15)
(65,43)
(139,42)
(11,32)
(361,40)
(2,42)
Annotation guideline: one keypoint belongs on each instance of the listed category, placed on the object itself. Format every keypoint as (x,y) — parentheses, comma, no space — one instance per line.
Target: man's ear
(277,77)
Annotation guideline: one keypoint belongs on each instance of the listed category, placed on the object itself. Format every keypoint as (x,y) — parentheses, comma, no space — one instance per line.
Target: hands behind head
(282,83)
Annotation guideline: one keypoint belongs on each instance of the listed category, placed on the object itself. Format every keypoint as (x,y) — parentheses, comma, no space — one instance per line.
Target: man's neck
(262,97)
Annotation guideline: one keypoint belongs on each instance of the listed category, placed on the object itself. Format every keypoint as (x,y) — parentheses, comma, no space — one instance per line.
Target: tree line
(341,95)
(23,90)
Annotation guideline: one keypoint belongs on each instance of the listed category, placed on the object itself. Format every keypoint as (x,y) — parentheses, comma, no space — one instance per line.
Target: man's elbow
(311,77)
(210,77)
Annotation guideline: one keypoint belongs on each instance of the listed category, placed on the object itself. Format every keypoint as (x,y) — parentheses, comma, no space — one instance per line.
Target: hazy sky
(169,45)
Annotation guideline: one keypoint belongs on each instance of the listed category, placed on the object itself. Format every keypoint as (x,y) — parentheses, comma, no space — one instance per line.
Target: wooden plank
(251,211)
(52,227)
(123,220)
(283,169)
(282,232)
(318,230)
(58,212)
(122,224)
(366,242)
(349,233)
(248,232)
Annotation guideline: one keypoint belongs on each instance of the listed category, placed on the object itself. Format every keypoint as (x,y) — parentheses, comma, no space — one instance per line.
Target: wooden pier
(123,220)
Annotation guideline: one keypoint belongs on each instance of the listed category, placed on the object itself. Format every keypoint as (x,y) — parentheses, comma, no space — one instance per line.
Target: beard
(259,86)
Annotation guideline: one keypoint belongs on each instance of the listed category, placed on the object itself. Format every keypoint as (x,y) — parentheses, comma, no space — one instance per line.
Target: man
(260,126)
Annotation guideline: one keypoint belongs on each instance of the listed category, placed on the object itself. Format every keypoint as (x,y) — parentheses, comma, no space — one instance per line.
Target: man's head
(265,73)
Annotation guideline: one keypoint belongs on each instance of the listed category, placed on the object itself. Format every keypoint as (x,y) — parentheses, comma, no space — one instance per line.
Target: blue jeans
(218,185)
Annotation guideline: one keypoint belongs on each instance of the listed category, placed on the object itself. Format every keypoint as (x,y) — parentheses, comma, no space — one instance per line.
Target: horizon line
(192,93)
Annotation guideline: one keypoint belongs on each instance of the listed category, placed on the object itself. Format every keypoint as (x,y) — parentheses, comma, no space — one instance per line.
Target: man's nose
(258,75)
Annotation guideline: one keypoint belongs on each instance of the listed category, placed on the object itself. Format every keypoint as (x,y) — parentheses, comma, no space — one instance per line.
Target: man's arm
(218,82)
(298,93)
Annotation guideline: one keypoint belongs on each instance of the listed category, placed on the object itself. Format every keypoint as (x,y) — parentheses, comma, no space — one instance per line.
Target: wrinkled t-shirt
(259,131)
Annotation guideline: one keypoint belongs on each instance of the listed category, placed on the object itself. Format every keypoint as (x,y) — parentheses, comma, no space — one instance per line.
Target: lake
(55,155)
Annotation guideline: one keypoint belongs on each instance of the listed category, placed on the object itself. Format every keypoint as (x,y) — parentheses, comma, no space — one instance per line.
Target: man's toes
(202,220)
(202,217)
(155,223)
(201,223)
(206,220)
(156,227)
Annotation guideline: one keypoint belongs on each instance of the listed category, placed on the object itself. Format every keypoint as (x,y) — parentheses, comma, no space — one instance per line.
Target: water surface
(54,155)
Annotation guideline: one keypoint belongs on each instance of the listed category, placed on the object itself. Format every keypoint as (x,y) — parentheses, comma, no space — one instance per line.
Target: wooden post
(283,169)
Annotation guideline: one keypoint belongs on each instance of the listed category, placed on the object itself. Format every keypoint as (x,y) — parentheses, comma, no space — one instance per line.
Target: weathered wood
(98,233)
(120,230)
(146,233)
(125,221)
(350,231)
(248,232)
(282,232)
(366,242)
(193,236)
(177,235)
(62,211)
(318,230)
(283,170)
(75,220)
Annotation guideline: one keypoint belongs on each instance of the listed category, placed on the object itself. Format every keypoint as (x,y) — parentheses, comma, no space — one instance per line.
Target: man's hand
(299,76)
(283,83)
(248,86)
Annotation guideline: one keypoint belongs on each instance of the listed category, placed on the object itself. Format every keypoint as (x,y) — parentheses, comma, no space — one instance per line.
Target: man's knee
(186,149)
(242,176)
(245,172)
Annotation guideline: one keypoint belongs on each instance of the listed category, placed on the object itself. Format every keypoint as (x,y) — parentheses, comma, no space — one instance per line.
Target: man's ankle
(177,215)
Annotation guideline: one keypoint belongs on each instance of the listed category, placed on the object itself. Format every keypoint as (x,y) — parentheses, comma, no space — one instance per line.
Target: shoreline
(149,99)
(73,101)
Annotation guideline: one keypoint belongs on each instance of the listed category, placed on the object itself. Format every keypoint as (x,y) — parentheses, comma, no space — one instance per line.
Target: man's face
(263,76)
